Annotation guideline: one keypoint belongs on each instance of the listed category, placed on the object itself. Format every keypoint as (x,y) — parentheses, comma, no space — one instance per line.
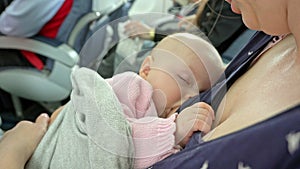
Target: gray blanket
(90,132)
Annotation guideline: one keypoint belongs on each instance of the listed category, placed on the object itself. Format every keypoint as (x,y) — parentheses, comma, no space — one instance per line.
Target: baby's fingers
(201,106)
(202,125)
(206,117)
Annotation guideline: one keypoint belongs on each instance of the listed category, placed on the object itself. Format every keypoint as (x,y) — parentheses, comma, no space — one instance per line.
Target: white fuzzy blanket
(90,132)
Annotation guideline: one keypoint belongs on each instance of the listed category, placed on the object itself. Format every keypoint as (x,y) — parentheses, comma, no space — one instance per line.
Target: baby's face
(175,75)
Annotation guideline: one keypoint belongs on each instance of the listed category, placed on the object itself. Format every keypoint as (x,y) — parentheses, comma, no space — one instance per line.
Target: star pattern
(242,166)
(293,140)
(205,165)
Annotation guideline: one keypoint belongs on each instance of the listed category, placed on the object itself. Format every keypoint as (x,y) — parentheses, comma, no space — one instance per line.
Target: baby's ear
(145,67)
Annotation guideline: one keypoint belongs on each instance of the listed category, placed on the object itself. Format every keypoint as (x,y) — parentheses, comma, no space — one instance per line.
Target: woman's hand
(18,144)
(138,29)
(198,117)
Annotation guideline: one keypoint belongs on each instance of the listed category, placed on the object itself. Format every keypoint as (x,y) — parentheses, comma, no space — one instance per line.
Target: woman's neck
(293,21)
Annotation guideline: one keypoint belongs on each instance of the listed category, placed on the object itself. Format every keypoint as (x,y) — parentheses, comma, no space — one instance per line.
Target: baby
(179,67)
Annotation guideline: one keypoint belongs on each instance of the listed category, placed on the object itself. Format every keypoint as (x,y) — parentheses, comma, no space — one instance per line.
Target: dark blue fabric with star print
(272,144)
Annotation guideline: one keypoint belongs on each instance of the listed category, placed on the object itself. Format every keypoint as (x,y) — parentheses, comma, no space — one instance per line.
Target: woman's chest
(269,87)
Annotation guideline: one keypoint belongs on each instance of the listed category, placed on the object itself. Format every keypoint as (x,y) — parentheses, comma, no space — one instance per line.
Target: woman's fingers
(131,28)
(43,120)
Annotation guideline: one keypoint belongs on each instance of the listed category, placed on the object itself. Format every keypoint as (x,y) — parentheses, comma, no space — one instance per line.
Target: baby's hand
(197,117)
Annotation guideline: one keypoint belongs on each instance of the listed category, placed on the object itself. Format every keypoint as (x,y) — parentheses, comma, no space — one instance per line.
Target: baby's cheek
(160,101)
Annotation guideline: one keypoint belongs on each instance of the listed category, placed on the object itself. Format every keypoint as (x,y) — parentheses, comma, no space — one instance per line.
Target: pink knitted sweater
(153,136)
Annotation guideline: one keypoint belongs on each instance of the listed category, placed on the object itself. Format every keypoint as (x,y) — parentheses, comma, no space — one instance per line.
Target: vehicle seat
(52,85)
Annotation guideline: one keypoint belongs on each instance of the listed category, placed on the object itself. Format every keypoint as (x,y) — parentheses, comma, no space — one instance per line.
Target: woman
(257,105)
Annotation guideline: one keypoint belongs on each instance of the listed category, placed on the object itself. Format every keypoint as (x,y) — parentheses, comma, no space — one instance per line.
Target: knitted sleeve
(153,139)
